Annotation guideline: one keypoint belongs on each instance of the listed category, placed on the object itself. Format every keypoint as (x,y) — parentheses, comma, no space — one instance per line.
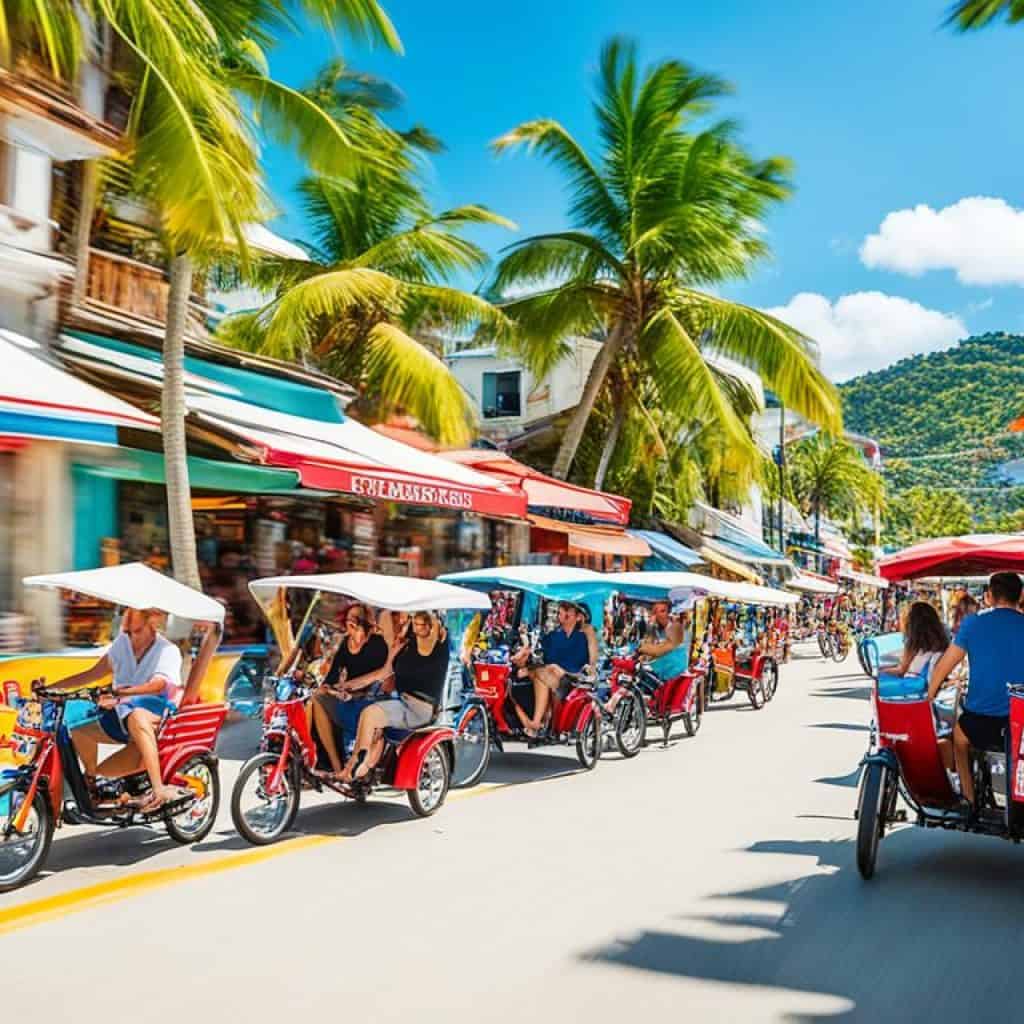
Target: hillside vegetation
(942,422)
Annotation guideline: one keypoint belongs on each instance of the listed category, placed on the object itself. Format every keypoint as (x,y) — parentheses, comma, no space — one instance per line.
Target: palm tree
(193,154)
(831,476)
(973,14)
(374,289)
(661,212)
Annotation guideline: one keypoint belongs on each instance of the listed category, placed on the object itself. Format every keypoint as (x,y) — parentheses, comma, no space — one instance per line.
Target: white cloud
(868,330)
(980,238)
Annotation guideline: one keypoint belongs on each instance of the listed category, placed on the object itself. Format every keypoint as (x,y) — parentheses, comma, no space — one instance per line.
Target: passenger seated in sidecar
(567,650)
(993,643)
(420,668)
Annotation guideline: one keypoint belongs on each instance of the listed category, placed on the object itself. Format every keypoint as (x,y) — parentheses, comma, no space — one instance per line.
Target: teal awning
(242,385)
(140,466)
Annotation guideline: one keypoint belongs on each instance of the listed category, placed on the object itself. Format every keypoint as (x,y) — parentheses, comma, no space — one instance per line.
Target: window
(501,395)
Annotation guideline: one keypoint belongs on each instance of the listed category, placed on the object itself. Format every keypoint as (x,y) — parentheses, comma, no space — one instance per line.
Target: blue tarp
(666,552)
(750,549)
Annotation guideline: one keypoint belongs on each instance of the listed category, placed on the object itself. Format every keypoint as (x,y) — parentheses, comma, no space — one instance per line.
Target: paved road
(713,880)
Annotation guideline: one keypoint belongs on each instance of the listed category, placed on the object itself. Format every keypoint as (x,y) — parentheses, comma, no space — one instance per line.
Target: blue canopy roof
(749,549)
(667,552)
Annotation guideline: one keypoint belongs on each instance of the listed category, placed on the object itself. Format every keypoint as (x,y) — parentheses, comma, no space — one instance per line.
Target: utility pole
(782,475)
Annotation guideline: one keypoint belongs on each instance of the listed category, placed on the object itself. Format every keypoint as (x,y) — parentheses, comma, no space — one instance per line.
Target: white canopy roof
(865,579)
(528,574)
(135,585)
(678,586)
(811,584)
(397,593)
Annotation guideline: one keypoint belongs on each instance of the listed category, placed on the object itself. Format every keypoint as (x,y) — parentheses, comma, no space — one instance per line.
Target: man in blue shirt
(994,644)
(568,649)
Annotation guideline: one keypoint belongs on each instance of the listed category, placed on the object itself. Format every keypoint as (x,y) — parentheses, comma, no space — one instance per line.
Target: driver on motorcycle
(568,649)
(664,633)
(146,668)
(992,642)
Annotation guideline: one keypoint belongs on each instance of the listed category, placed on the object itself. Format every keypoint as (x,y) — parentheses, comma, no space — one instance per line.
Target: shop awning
(865,579)
(204,474)
(727,533)
(666,551)
(556,535)
(713,556)
(351,458)
(812,583)
(543,491)
(40,400)
(116,358)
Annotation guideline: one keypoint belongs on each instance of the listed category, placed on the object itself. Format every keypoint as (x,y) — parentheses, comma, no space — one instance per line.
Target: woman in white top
(924,640)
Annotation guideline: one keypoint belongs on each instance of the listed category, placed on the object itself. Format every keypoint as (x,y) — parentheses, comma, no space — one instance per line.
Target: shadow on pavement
(844,692)
(846,726)
(929,938)
(852,780)
(238,741)
(517,766)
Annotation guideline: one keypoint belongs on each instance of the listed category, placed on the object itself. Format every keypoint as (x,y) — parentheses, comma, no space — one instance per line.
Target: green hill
(941,420)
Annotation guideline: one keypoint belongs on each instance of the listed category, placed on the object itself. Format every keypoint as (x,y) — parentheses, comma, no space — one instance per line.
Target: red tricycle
(524,599)
(266,797)
(33,801)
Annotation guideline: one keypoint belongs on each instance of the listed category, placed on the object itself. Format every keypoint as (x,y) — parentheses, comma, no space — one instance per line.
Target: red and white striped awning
(351,458)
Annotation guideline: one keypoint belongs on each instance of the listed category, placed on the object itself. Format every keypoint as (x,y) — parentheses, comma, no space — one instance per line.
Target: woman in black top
(362,659)
(420,667)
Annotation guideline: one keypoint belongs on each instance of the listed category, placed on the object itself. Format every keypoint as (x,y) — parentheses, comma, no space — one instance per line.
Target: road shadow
(844,692)
(931,937)
(516,766)
(851,780)
(845,726)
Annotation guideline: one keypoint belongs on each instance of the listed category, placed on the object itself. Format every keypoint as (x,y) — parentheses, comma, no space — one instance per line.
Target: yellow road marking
(25,915)
(34,912)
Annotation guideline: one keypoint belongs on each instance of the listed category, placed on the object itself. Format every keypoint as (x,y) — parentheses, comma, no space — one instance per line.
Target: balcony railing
(127,285)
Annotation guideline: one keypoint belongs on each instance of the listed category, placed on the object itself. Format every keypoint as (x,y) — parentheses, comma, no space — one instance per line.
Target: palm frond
(404,376)
(974,14)
(364,20)
(558,257)
(592,202)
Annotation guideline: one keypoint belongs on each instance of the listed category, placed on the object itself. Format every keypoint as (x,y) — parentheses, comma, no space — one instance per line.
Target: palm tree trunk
(172,416)
(609,443)
(83,231)
(595,379)
(817,535)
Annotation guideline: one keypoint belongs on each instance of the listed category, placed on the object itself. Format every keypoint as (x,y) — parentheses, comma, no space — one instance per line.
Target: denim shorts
(112,721)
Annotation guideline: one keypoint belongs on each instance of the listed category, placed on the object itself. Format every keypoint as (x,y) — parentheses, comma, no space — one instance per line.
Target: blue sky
(882,109)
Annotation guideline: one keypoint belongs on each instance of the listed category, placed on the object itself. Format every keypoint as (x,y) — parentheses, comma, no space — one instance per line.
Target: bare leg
(141,727)
(325,729)
(946,755)
(86,741)
(125,761)
(542,677)
(962,754)
(370,721)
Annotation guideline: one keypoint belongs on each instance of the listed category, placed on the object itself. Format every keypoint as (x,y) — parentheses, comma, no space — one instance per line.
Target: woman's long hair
(967,605)
(924,632)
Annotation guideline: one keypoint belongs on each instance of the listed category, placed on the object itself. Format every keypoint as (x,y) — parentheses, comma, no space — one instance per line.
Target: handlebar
(59,696)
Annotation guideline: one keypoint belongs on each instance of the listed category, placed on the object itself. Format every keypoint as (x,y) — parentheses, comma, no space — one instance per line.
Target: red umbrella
(971,555)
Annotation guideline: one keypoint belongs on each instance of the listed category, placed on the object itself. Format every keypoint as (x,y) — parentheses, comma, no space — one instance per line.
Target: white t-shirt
(162,660)
(923,662)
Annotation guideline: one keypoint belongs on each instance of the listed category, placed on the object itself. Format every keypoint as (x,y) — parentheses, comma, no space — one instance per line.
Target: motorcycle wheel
(432,785)
(839,652)
(630,725)
(193,824)
(755,692)
(870,817)
(692,720)
(22,857)
(588,741)
(271,817)
(472,747)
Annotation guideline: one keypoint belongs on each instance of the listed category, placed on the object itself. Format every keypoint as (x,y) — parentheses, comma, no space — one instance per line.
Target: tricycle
(43,785)
(524,600)
(419,761)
